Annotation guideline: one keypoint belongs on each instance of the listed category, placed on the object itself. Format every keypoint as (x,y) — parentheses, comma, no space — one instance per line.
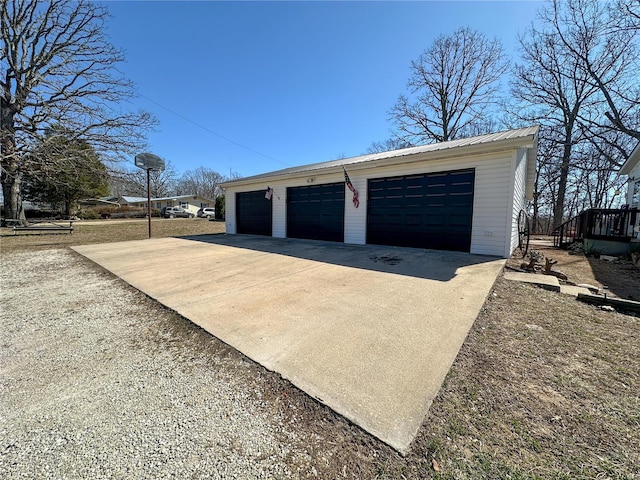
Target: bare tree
(546,181)
(579,67)
(58,68)
(388,145)
(161,183)
(630,8)
(201,181)
(548,87)
(453,87)
(602,39)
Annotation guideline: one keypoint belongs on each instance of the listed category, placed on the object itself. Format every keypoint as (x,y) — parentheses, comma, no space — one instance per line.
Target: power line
(214,133)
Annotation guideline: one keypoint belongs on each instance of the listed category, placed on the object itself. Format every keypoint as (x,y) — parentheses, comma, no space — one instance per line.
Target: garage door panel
(253,213)
(413,220)
(434,221)
(316,212)
(431,210)
(458,221)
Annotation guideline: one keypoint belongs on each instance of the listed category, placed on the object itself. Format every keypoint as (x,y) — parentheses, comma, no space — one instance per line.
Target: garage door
(431,210)
(253,213)
(316,212)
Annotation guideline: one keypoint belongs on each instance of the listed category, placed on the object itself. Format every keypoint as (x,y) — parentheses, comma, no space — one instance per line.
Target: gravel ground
(98,381)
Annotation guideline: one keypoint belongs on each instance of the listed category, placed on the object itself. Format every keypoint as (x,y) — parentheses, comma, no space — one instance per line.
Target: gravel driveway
(98,381)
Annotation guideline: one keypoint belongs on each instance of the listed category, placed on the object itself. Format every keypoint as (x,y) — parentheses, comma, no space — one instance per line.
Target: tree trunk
(558,210)
(11,179)
(535,221)
(10,175)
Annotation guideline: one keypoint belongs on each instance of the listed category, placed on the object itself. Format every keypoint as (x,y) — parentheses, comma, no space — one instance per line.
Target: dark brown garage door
(253,213)
(430,210)
(316,212)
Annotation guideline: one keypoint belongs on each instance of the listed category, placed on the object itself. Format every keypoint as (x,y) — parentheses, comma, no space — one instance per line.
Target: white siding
(355,219)
(633,186)
(518,199)
(279,200)
(230,210)
(493,206)
(490,205)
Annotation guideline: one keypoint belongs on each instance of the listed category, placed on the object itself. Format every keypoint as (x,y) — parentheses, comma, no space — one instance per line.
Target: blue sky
(251,87)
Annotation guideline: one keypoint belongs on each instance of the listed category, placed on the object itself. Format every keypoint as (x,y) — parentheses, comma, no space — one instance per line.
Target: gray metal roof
(158,199)
(523,135)
(133,199)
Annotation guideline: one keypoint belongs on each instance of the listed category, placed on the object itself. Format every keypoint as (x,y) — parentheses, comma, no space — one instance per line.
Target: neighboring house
(460,195)
(613,230)
(95,202)
(631,168)
(191,203)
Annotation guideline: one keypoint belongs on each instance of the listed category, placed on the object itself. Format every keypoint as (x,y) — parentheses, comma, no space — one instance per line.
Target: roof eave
(631,162)
(529,142)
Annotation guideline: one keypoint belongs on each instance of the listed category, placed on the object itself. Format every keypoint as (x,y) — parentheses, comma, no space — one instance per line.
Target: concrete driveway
(370,331)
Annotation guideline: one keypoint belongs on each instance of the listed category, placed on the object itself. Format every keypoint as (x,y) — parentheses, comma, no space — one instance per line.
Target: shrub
(576,248)
(89,215)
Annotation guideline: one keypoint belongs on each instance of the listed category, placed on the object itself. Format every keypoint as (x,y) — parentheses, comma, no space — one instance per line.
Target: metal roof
(134,199)
(156,199)
(522,136)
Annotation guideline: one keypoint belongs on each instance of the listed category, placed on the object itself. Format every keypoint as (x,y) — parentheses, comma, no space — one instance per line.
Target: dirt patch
(621,278)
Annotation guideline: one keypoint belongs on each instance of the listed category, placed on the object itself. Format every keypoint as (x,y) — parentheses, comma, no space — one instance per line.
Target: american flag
(269,193)
(347,180)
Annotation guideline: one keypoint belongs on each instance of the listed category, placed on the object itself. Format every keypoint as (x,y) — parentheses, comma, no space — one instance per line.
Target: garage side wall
(518,198)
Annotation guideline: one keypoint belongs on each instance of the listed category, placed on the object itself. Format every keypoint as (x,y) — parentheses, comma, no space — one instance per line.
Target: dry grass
(544,387)
(106,231)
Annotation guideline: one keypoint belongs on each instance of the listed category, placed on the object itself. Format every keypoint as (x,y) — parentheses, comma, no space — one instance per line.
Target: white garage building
(462,195)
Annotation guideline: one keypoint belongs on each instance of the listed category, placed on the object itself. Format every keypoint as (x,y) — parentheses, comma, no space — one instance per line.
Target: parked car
(173,212)
(207,212)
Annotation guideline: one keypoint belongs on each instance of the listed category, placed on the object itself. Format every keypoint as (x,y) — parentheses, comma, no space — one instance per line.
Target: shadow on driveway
(413,262)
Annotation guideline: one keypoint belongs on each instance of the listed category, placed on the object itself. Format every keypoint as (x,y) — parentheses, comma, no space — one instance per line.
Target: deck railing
(598,224)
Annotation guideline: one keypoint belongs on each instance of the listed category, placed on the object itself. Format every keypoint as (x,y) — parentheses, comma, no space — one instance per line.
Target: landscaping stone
(545,281)
(573,290)
(588,286)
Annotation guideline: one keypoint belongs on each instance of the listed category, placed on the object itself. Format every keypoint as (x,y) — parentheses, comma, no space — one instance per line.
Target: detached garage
(462,195)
